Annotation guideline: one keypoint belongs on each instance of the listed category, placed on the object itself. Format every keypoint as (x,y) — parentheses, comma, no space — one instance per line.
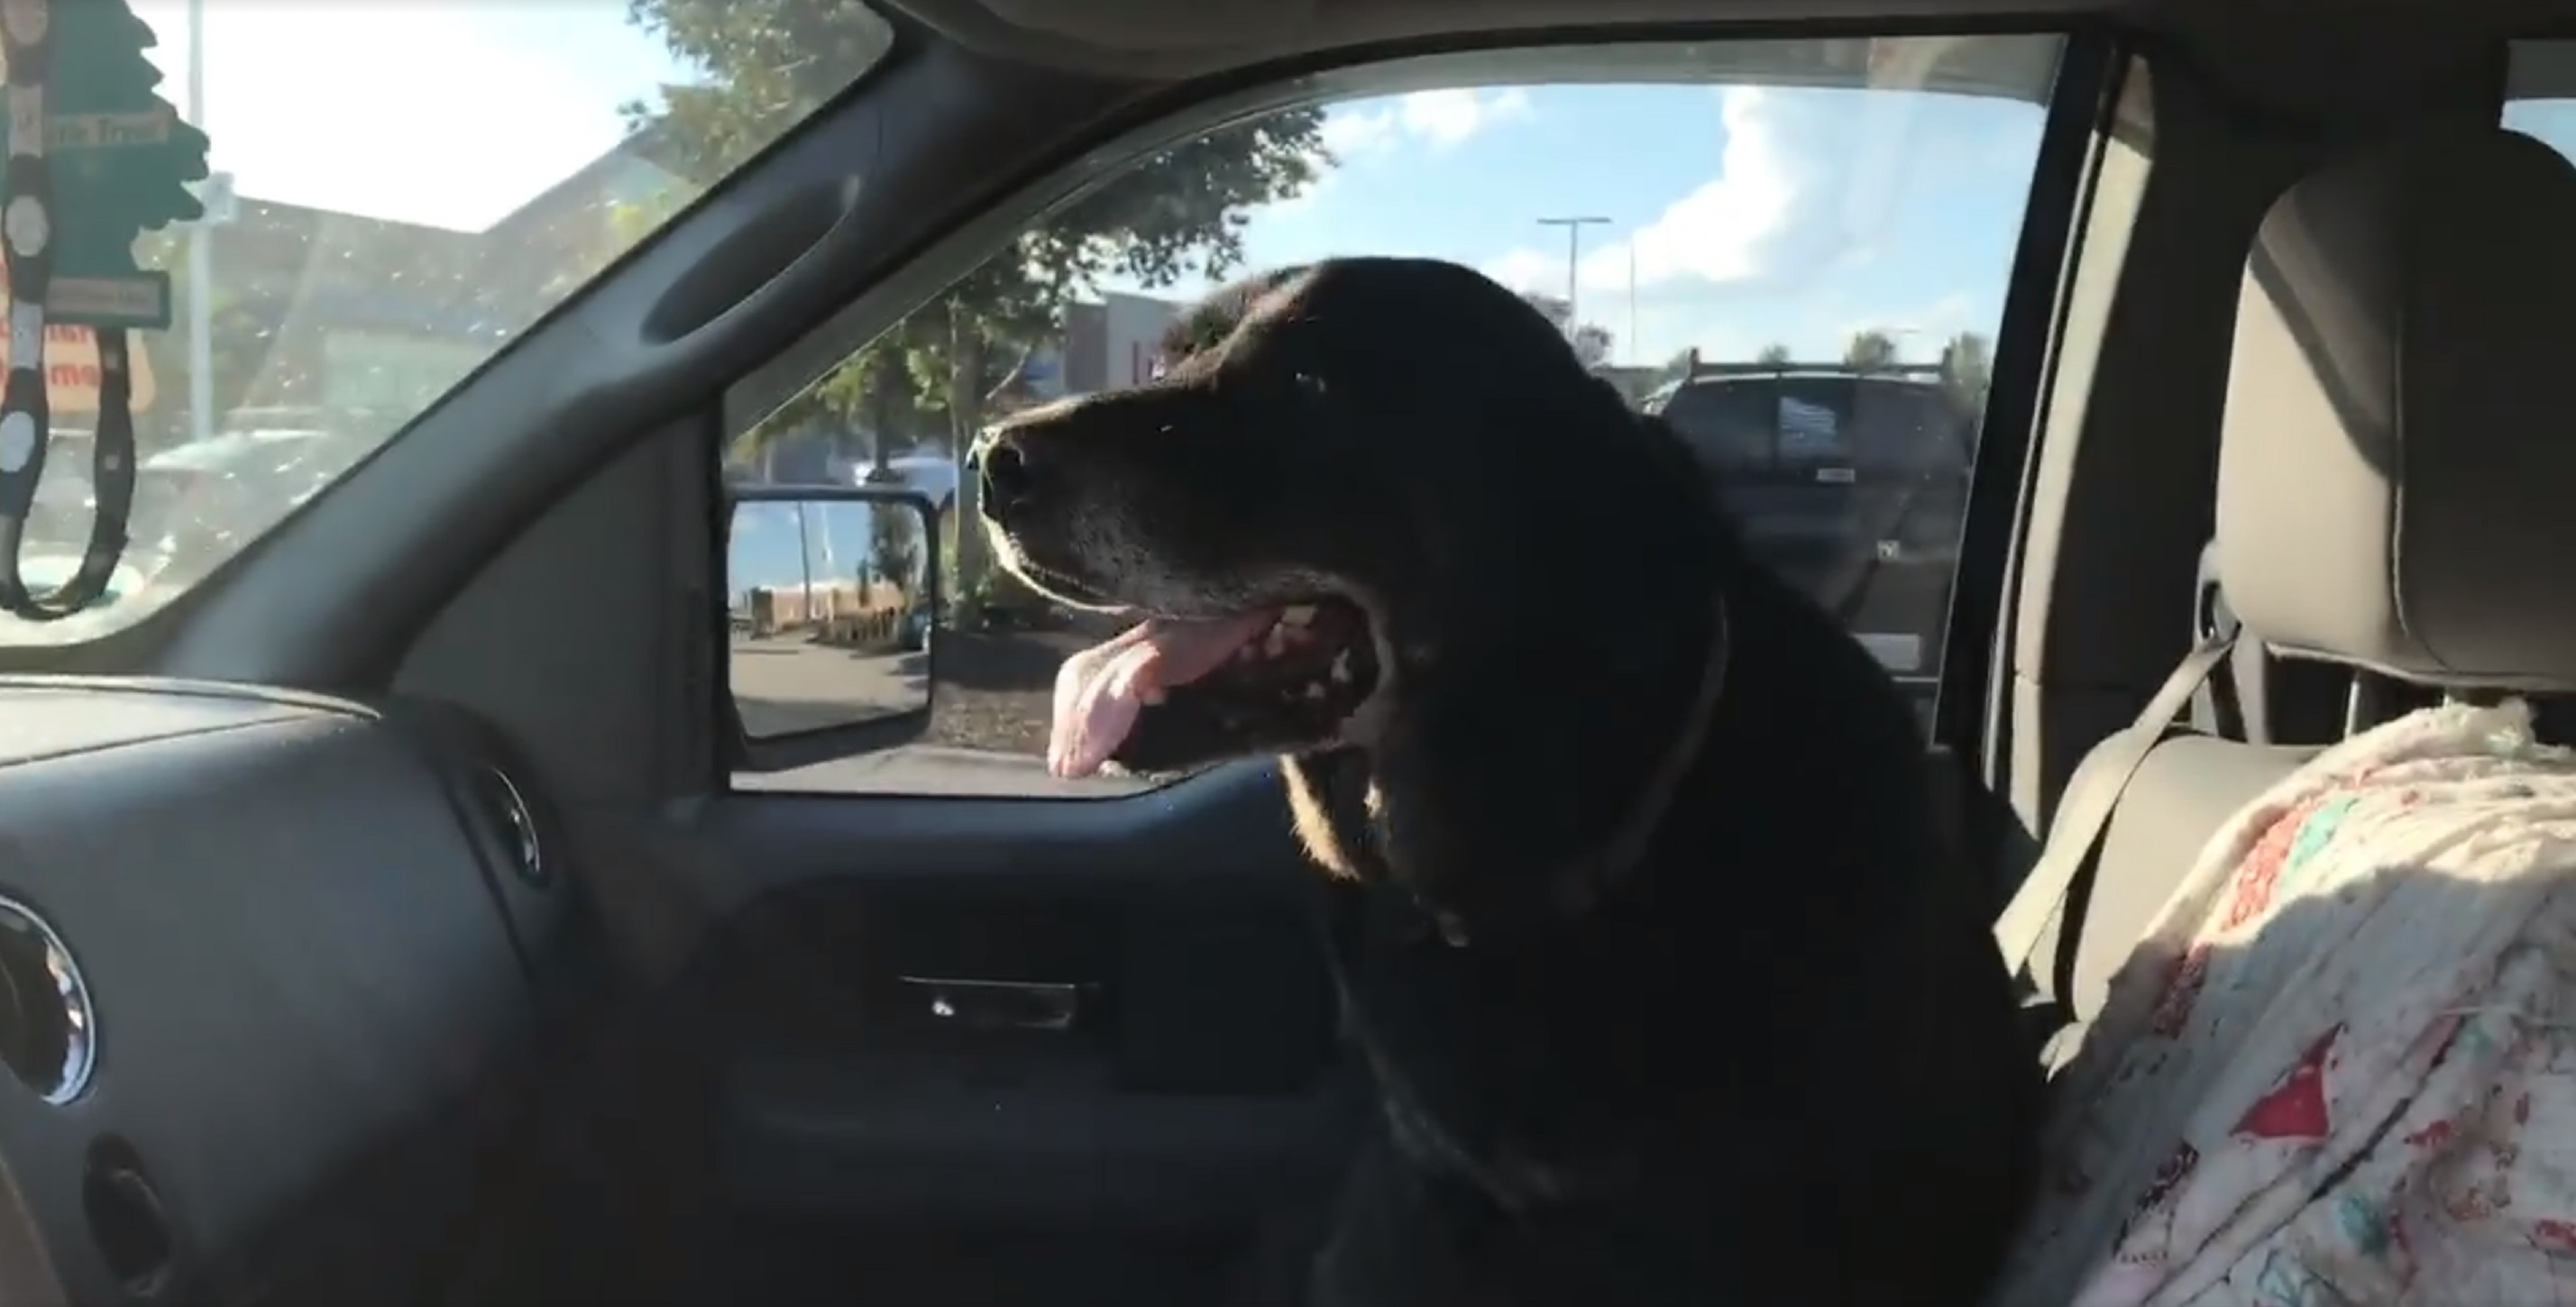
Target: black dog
(1671,992)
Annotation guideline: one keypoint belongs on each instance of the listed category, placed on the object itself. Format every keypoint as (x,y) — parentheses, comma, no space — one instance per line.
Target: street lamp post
(1573,251)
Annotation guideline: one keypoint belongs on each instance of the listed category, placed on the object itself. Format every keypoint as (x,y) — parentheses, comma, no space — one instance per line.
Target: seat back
(2404,536)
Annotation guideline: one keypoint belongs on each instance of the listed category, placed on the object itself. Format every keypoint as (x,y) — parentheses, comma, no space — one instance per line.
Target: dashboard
(268,1006)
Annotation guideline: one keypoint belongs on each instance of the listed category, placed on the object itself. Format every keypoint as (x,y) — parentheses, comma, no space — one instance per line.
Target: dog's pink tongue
(1099,691)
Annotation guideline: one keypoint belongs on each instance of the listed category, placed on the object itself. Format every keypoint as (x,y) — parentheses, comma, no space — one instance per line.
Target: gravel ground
(996,692)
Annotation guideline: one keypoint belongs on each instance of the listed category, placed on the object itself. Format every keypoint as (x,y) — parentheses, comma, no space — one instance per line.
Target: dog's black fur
(1772,1061)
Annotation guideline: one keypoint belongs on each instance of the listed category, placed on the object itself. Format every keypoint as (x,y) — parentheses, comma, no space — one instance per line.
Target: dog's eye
(1309,384)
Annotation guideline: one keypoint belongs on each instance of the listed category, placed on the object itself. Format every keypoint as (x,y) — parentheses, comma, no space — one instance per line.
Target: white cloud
(1356,130)
(1438,119)
(1368,130)
(1449,117)
(1806,181)
(1719,231)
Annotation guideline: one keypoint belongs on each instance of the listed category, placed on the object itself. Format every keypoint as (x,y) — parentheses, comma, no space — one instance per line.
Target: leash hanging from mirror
(93,159)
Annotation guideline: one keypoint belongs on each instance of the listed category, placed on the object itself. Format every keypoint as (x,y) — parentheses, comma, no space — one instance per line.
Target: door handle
(970,1004)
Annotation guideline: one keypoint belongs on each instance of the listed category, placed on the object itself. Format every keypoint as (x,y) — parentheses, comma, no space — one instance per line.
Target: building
(324,311)
(1113,342)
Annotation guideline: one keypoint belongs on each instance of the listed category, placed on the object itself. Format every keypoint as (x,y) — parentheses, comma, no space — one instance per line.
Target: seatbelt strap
(2083,817)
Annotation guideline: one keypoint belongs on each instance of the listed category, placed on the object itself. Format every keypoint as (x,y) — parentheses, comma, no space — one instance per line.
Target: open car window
(381,223)
(1665,206)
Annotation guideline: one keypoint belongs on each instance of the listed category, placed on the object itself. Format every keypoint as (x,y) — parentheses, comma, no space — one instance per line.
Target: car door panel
(1012,1014)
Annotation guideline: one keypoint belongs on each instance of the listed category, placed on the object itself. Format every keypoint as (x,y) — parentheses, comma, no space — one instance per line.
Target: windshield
(399,192)
(1871,425)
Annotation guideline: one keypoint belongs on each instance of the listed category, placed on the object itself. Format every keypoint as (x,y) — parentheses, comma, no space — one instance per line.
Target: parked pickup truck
(1852,483)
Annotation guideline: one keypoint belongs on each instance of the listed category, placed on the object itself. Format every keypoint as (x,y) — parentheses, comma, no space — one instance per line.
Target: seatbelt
(2076,834)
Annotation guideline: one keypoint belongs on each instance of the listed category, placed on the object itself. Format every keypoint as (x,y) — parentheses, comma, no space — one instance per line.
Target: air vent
(516,827)
(48,1032)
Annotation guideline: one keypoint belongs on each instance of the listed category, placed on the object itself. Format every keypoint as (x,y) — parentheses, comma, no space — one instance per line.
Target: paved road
(784,684)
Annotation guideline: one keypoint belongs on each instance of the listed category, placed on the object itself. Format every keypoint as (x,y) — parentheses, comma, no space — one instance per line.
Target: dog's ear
(1205,325)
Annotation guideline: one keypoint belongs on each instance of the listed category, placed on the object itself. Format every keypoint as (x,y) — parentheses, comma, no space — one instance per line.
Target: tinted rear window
(1869,425)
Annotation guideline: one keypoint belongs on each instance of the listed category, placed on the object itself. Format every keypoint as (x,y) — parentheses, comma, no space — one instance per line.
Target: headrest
(2397,470)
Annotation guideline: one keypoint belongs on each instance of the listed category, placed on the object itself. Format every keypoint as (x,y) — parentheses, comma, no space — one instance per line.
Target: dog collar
(1585,878)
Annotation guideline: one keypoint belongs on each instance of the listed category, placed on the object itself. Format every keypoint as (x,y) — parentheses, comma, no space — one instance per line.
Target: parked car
(206,497)
(1852,483)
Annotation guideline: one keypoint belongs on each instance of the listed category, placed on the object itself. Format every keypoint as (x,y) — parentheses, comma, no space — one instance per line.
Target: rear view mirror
(832,595)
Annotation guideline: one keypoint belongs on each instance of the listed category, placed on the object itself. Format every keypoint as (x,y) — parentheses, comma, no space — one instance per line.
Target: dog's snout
(1009,479)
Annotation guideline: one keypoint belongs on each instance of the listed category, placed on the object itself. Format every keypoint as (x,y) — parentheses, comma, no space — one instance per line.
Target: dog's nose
(1009,478)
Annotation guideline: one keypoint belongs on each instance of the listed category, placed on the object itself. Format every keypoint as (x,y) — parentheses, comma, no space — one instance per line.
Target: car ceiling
(2283,59)
(1189,38)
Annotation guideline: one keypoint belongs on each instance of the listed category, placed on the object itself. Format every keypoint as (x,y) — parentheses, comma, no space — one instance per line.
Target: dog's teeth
(1297,615)
(1342,666)
(1314,691)
(1276,643)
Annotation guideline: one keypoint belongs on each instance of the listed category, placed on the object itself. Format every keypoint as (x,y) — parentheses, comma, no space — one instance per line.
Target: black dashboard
(269,1005)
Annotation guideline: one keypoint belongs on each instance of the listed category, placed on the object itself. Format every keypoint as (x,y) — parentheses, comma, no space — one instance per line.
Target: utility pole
(201,268)
(1573,251)
(805,563)
(1635,356)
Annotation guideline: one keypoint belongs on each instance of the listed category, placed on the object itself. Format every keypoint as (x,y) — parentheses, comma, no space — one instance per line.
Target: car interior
(388,920)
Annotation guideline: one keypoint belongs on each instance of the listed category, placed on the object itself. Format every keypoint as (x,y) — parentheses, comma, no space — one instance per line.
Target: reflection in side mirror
(832,596)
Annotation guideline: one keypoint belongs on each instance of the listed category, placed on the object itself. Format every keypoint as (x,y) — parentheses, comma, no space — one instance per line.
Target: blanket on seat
(2341,1066)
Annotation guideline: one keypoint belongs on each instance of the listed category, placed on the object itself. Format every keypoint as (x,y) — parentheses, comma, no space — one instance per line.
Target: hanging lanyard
(28,223)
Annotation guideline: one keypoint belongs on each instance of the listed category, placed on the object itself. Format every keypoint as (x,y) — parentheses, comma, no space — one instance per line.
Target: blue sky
(1754,214)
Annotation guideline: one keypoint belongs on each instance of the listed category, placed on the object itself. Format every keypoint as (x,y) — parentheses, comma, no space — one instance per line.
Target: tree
(1591,340)
(1180,213)
(1773,354)
(1967,367)
(894,544)
(1870,351)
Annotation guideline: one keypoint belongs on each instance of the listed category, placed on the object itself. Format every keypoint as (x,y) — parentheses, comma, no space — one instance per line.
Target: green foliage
(1591,340)
(895,545)
(1870,351)
(1967,368)
(768,64)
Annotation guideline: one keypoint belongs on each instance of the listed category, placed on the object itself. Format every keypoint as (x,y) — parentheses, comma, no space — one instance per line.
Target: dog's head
(1371,509)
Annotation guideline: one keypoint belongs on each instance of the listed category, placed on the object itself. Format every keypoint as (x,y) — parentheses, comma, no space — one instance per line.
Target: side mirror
(832,593)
